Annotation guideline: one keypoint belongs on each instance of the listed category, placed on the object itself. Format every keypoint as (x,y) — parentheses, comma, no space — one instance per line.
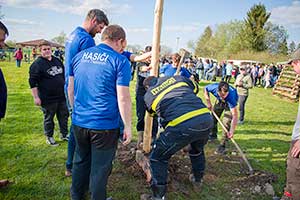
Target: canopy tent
(35,43)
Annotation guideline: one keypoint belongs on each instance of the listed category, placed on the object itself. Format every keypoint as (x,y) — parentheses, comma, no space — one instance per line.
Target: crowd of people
(262,75)
(92,86)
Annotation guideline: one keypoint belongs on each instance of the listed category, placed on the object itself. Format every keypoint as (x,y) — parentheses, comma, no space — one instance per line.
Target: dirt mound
(229,169)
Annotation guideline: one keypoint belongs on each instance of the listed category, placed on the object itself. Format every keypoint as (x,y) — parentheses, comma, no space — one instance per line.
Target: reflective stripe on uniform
(187,116)
(161,95)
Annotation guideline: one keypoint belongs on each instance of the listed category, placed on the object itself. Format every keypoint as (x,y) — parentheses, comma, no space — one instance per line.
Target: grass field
(37,170)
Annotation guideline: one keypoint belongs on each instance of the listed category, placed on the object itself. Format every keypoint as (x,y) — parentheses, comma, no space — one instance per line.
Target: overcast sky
(183,20)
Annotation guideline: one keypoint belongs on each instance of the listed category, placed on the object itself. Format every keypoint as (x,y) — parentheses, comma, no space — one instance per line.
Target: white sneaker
(51,141)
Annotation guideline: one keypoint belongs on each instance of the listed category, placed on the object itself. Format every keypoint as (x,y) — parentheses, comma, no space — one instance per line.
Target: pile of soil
(229,167)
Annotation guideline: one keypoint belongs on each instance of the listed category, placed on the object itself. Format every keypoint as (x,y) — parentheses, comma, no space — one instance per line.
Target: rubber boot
(159,192)
(140,139)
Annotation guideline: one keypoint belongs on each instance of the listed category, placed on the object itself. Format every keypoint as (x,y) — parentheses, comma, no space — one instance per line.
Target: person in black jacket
(3,89)
(186,121)
(46,79)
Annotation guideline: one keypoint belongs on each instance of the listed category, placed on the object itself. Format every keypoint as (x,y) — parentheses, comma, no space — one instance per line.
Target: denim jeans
(71,149)
(95,150)
(60,110)
(194,132)
(242,102)
(71,141)
(18,63)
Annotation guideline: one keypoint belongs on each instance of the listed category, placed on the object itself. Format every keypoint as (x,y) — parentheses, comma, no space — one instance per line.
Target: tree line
(254,36)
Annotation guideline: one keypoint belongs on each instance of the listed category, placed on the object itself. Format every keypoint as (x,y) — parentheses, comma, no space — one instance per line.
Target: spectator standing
(292,188)
(243,83)
(18,56)
(200,69)
(34,53)
(99,89)
(46,79)
(3,89)
(229,68)
(223,70)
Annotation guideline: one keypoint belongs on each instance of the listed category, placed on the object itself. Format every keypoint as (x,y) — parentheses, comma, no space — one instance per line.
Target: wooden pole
(154,71)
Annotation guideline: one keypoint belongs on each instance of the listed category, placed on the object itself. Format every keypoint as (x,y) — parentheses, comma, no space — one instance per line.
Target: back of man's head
(98,14)
(223,87)
(113,33)
(148,48)
(176,57)
(150,81)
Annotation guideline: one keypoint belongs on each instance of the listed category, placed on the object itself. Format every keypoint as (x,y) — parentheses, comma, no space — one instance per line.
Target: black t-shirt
(48,76)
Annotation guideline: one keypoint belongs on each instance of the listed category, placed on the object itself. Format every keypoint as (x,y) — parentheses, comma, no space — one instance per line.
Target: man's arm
(124,102)
(248,83)
(71,91)
(296,149)
(35,95)
(207,98)
(234,112)
(140,58)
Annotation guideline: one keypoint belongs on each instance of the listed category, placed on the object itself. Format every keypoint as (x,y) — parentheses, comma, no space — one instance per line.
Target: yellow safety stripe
(187,116)
(161,95)
(196,87)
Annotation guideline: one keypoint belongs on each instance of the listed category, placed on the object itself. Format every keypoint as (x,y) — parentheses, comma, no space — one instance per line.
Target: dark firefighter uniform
(186,120)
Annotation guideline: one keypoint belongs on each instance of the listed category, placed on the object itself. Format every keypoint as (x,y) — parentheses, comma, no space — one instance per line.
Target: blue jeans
(94,153)
(194,132)
(71,142)
(71,149)
(18,62)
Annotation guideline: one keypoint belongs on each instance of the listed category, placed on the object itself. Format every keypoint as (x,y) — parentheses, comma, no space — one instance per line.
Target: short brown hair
(176,57)
(99,14)
(113,33)
(44,43)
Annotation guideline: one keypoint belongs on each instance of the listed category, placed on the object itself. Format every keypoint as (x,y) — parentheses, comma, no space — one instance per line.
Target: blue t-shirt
(77,41)
(169,70)
(232,97)
(127,54)
(97,71)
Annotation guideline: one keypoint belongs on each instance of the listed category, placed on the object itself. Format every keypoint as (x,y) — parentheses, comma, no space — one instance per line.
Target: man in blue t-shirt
(226,100)
(170,69)
(80,39)
(99,90)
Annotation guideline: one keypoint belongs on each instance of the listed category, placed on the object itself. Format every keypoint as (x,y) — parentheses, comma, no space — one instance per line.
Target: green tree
(191,45)
(255,21)
(228,38)
(60,39)
(298,46)
(276,39)
(202,48)
(292,47)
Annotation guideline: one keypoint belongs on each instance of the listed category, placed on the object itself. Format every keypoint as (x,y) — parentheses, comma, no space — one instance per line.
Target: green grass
(37,170)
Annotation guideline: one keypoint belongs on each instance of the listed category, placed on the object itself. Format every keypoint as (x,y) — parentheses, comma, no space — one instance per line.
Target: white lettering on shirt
(95,58)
